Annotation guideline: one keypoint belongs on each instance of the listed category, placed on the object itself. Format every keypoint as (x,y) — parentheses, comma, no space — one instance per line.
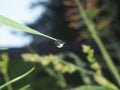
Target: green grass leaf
(16,79)
(3,48)
(10,23)
(89,87)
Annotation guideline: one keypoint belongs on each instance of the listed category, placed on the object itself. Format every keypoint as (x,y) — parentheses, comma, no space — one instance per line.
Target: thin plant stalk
(79,62)
(62,80)
(6,77)
(92,29)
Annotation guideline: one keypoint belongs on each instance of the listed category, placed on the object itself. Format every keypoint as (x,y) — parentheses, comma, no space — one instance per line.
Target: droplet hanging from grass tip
(59,43)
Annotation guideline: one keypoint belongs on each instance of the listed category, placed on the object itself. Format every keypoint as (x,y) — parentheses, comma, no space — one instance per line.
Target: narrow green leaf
(3,48)
(10,23)
(25,87)
(16,79)
(89,87)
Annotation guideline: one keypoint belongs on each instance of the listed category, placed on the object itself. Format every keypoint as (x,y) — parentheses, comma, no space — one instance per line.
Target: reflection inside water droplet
(59,43)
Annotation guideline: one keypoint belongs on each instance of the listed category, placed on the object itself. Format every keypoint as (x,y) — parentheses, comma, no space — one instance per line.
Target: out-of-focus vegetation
(89,60)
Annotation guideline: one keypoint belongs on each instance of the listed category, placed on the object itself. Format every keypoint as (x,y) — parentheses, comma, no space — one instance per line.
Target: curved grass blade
(16,79)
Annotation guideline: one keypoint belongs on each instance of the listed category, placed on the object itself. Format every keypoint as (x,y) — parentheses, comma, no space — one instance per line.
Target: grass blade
(16,79)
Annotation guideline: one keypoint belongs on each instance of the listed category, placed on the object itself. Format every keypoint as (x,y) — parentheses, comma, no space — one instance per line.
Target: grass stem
(6,77)
(92,29)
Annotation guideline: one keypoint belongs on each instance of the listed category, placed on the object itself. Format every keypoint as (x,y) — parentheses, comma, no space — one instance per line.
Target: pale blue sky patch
(19,11)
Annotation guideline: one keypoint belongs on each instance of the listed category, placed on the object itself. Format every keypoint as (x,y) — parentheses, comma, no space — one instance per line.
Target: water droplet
(59,43)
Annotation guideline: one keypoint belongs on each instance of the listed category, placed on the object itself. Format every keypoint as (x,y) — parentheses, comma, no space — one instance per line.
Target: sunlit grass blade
(3,48)
(10,23)
(89,87)
(25,87)
(16,79)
